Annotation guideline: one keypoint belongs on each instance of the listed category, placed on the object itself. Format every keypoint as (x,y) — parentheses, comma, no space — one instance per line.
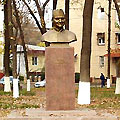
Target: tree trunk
(22,38)
(67,14)
(86,41)
(54,4)
(109,41)
(117,89)
(7,40)
(117,9)
(12,42)
(41,15)
(31,12)
(84,84)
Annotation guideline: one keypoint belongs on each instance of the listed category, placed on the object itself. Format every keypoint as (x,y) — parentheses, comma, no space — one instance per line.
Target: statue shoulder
(48,35)
(63,36)
(71,36)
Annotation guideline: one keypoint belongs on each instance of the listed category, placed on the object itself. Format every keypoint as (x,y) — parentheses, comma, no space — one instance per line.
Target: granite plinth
(59,74)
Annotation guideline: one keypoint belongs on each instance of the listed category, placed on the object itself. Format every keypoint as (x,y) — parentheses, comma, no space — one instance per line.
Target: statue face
(59,21)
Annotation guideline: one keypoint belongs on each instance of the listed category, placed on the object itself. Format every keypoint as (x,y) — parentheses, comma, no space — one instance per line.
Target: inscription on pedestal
(60,86)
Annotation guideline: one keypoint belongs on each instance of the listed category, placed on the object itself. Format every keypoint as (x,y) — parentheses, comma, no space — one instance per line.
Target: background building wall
(100,25)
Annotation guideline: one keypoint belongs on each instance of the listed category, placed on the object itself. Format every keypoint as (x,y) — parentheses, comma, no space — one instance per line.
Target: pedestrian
(102,77)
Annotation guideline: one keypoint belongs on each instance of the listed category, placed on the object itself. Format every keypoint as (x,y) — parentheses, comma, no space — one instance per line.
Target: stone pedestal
(60,78)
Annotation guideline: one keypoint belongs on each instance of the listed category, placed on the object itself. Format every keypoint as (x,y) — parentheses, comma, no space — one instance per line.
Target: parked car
(2,80)
(40,84)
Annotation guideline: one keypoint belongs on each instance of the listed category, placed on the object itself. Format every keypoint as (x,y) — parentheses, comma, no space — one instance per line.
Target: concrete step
(39,114)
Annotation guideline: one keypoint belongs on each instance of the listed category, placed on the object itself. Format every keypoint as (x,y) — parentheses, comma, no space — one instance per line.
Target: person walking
(102,77)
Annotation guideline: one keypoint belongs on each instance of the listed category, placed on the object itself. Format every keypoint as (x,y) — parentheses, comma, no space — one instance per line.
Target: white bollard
(15,88)
(39,78)
(84,93)
(7,87)
(28,85)
(108,83)
(117,90)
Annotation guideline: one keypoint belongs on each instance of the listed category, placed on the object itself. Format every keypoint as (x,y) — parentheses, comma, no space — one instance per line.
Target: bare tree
(54,4)
(86,50)
(41,12)
(22,38)
(117,8)
(12,42)
(86,41)
(7,39)
(67,14)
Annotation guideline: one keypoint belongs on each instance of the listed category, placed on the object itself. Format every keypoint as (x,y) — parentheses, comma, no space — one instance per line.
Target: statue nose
(60,20)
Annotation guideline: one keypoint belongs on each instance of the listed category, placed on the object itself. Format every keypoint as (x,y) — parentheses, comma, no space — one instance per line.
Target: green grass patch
(26,100)
(5,93)
(39,89)
(103,98)
(24,92)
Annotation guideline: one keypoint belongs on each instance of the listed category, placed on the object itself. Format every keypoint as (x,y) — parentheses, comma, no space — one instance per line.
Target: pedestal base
(59,75)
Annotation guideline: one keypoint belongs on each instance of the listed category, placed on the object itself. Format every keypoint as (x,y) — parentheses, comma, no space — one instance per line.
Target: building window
(118,38)
(101,13)
(101,38)
(34,61)
(101,61)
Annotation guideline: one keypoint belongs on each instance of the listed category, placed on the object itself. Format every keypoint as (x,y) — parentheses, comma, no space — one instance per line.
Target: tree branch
(41,15)
(46,2)
(31,12)
(117,9)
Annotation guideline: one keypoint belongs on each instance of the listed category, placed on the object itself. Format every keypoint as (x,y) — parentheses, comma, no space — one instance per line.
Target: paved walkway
(40,114)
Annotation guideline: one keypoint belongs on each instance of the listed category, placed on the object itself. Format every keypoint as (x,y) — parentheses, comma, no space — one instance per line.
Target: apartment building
(99,48)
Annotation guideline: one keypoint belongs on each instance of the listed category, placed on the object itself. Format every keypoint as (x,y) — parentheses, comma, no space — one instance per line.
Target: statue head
(58,19)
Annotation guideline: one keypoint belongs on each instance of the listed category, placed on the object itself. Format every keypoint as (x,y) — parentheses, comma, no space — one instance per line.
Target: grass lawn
(104,98)
(101,98)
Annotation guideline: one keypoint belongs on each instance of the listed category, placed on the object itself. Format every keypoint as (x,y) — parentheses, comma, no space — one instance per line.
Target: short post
(30,78)
(108,83)
(28,85)
(7,87)
(15,88)
(39,78)
(117,89)
(25,79)
(35,78)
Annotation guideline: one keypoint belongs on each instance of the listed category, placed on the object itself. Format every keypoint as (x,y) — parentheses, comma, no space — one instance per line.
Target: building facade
(99,48)
(36,60)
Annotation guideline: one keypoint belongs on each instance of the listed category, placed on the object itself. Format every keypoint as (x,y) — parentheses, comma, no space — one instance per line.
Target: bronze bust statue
(58,34)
